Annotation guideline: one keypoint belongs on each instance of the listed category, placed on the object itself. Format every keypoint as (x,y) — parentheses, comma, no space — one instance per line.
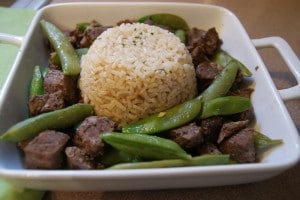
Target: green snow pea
(223,58)
(173,21)
(114,156)
(68,58)
(209,159)
(263,142)
(37,82)
(227,105)
(8,192)
(181,35)
(54,58)
(58,119)
(171,118)
(145,146)
(222,83)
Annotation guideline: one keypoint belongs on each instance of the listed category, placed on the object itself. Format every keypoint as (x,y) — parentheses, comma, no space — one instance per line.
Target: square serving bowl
(272,117)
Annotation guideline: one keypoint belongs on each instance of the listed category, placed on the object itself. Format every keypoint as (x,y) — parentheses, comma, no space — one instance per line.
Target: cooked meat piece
(246,115)
(126,21)
(46,151)
(208,148)
(87,134)
(240,146)
(202,44)
(78,159)
(149,21)
(55,81)
(46,103)
(91,34)
(212,42)
(211,128)
(206,72)
(231,128)
(188,136)
(244,92)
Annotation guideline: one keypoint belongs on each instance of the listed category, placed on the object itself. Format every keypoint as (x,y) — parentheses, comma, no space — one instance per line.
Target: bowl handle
(290,58)
(11,39)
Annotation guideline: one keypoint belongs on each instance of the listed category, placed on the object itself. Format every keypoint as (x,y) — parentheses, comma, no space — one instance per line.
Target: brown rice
(134,70)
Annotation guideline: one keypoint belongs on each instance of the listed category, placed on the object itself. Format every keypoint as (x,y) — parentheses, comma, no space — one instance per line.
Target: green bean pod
(67,55)
(227,105)
(166,19)
(145,146)
(203,160)
(58,119)
(9,192)
(171,118)
(222,83)
(37,82)
(223,58)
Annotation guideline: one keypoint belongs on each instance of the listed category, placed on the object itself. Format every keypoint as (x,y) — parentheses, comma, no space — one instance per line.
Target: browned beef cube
(46,151)
(55,81)
(211,128)
(240,146)
(188,136)
(87,134)
(78,159)
(231,128)
(46,103)
(208,148)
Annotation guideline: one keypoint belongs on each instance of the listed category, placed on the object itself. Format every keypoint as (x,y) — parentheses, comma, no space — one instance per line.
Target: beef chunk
(246,115)
(87,134)
(46,103)
(78,159)
(91,34)
(45,151)
(188,136)
(202,45)
(206,72)
(211,128)
(244,92)
(55,81)
(207,148)
(240,146)
(231,128)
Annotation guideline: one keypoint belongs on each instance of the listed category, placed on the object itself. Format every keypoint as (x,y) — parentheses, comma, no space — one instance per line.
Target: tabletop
(261,18)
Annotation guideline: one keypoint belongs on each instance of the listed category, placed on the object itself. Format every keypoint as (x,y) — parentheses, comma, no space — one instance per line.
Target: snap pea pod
(222,83)
(209,159)
(170,20)
(223,58)
(67,55)
(54,58)
(114,156)
(227,105)
(145,146)
(171,118)
(262,141)
(8,192)
(58,119)
(37,82)
(181,35)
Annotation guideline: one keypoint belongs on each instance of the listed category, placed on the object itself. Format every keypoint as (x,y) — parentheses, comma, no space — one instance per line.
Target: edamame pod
(171,118)
(227,105)
(37,82)
(145,146)
(67,55)
(170,20)
(222,83)
(209,159)
(223,58)
(58,119)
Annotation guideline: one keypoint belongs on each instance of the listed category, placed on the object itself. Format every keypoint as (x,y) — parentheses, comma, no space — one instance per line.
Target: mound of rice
(134,70)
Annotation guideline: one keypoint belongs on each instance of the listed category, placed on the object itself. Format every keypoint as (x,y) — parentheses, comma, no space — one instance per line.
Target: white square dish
(272,118)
